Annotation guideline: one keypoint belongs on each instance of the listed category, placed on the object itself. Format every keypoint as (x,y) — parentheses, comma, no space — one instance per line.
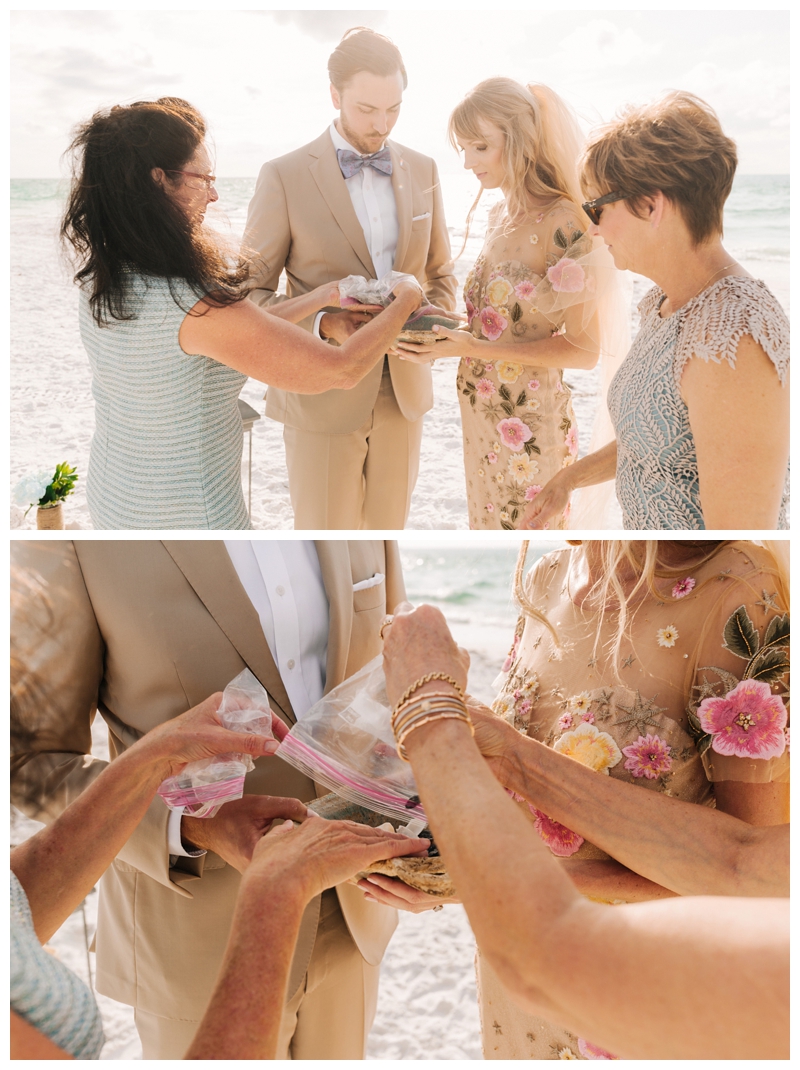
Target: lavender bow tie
(351,163)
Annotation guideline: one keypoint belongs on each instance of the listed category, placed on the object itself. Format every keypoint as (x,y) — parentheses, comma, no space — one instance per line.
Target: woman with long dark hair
(169,334)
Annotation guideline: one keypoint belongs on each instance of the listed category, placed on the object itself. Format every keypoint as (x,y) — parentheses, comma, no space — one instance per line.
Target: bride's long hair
(541,146)
(645,560)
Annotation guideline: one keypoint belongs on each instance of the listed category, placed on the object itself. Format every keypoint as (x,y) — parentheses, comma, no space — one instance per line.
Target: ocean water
(52,409)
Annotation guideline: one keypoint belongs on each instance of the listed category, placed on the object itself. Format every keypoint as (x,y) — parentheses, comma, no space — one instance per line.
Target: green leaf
(504,392)
(576,236)
(508,408)
(703,743)
(768,665)
(514,514)
(522,398)
(740,634)
(776,631)
(531,447)
(504,524)
(560,239)
(694,721)
(472,399)
(565,424)
(516,312)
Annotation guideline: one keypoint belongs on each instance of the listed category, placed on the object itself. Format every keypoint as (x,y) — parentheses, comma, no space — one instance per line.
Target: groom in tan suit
(353,203)
(142,631)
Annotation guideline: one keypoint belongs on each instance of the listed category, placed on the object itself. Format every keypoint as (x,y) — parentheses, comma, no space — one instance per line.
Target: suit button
(290,663)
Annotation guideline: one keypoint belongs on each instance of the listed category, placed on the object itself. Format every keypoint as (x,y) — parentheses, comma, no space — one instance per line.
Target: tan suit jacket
(142,631)
(301,218)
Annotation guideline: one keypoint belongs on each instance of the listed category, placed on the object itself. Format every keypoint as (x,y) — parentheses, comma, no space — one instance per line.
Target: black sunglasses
(590,207)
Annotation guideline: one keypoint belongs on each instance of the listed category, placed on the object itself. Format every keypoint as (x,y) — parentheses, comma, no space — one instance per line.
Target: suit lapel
(328,177)
(334,561)
(210,572)
(401,184)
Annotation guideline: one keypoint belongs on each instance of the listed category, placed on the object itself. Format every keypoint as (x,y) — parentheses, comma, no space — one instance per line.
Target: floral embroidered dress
(530,282)
(657,480)
(701,699)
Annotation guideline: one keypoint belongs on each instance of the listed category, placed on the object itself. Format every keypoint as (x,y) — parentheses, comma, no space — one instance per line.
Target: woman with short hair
(700,406)
(170,338)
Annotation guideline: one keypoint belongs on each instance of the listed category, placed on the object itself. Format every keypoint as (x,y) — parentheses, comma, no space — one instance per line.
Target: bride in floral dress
(682,692)
(539,299)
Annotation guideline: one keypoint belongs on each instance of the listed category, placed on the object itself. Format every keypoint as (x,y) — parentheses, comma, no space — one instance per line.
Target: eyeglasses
(207,180)
(590,207)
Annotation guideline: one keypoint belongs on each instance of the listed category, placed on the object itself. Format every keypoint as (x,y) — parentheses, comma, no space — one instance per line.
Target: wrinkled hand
(549,504)
(494,736)
(458,343)
(321,854)
(416,643)
(391,892)
(239,826)
(198,734)
(343,325)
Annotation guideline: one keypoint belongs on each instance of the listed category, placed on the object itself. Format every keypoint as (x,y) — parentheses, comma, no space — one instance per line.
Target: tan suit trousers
(329,1017)
(364,479)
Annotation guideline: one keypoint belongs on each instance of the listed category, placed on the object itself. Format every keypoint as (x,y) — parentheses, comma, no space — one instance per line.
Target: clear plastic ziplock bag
(202,787)
(346,743)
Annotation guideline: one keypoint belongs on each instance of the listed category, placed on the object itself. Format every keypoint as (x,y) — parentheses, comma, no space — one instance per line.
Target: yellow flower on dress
(533,405)
(498,292)
(481,472)
(499,478)
(522,469)
(504,515)
(566,1053)
(589,746)
(580,702)
(508,371)
(667,636)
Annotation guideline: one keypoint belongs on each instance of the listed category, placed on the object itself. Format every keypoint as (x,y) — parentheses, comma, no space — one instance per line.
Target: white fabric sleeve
(176,848)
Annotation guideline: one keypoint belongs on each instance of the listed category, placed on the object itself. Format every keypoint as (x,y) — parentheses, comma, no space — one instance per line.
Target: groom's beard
(366,146)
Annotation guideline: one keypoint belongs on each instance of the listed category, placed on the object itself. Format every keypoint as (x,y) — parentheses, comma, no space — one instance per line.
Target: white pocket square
(373,581)
(425,215)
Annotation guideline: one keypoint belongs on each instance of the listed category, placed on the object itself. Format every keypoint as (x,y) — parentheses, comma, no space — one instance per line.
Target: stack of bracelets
(410,714)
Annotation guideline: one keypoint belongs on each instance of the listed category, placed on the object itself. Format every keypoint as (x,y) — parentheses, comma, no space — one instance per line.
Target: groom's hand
(239,825)
(342,325)
(390,892)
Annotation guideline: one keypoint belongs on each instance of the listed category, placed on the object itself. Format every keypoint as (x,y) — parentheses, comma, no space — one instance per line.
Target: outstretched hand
(321,854)
(457,343)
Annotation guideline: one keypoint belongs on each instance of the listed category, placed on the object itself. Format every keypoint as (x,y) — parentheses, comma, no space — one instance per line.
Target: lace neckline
(698,297)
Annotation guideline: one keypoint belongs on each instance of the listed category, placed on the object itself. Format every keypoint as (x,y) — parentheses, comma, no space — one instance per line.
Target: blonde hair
(674,145)
(643,559)
(541,142)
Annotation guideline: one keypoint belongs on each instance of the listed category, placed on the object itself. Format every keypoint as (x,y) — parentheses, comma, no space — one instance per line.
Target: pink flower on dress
(489,507)
(531,492)
(561,840)
(540,217)
(748,722)
(587,716)
(571,441)
(649,756)
(559,387)
(567,276)
(591,1051)
(565,722)
(786,733)
(489,367)
(472,311)
(525,289)
(514,433)
(525,707)
(517,798)
(684,587)
(484,388)
(491,457)
(533,384)
(511,654)
(492,323)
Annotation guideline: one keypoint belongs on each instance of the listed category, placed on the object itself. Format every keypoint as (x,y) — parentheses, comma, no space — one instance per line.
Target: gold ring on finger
(385,624)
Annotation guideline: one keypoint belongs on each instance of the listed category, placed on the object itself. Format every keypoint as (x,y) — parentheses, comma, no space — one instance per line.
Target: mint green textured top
(45,993)
(167,446)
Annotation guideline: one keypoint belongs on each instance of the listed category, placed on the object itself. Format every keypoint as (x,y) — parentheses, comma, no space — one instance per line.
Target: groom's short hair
(362,49)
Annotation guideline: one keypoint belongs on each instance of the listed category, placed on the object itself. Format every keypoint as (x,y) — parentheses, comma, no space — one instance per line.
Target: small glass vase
(50,518)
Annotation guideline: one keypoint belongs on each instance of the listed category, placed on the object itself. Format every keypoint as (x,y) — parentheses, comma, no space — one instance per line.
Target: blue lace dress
(657,481)
(45,993)
(167,446)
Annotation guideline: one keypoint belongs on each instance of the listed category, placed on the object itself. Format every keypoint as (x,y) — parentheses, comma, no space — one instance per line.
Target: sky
(260,77)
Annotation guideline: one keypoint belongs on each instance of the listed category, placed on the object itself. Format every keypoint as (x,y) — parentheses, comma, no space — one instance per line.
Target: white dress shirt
(373,200)
(283,580)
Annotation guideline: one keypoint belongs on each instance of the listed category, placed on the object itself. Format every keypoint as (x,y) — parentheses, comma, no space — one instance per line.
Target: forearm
(557,351)
(689,849)
(610,882)
(61,864)
(294,309)
(597,467)
(362,350)
(513,890)
(243,1017)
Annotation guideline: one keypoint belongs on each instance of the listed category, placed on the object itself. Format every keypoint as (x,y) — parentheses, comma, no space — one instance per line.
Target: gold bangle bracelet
(407,722)
(425,702)
(426,680)
(429,720)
